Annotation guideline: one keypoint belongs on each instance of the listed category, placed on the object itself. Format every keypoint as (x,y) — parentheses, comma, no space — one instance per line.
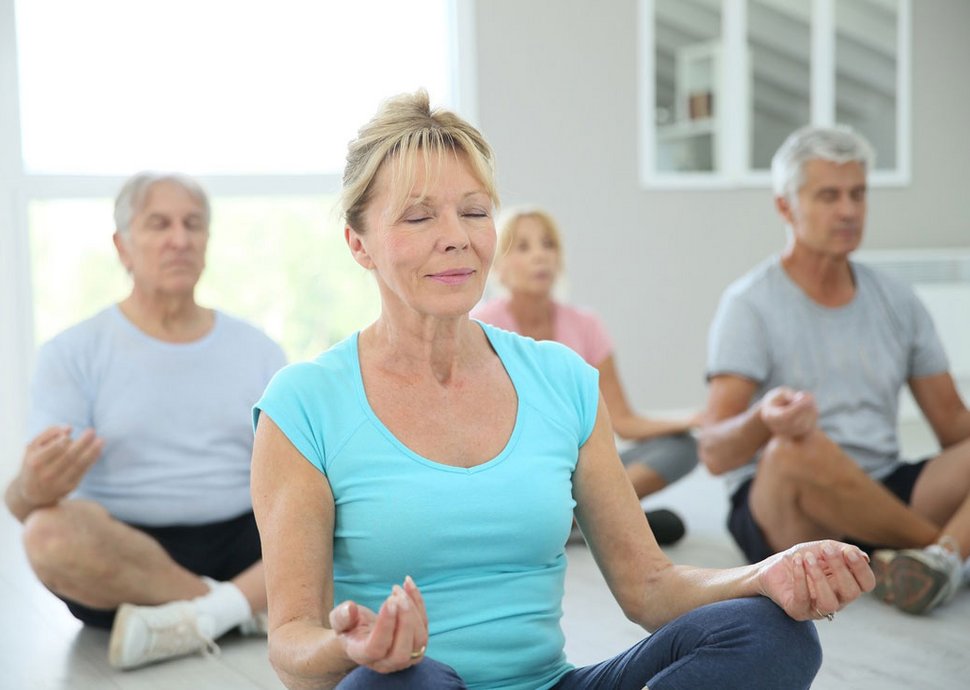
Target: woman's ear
(357,248)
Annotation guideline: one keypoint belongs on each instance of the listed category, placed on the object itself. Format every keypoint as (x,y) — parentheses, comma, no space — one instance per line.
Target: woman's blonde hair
(403,126)
(508,228)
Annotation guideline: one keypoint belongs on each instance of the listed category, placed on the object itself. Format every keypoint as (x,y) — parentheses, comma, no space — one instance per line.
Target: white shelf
(686,129)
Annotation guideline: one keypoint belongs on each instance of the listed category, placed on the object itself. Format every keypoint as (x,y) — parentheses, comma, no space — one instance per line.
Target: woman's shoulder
(547,357)
(335,367)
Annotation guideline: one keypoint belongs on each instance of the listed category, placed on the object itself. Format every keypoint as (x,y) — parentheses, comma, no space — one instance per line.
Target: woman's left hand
(815,579)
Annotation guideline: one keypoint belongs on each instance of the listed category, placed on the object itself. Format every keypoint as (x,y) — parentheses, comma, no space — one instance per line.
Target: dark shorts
(748,535)
(220,550)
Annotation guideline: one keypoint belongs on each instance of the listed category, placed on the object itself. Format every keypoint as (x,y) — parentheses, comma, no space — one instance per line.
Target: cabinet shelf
(685,129)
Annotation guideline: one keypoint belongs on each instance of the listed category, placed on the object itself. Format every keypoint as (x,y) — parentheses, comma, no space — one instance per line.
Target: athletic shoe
(922,579)
(666,525)
(145,634)
(880,564)
(256,626)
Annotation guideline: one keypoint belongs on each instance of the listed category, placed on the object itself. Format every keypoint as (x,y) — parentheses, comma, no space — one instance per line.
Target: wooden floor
(869,646)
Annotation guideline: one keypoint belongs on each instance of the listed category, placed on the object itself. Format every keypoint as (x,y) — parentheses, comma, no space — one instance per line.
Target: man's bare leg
(810,489)
(80,552)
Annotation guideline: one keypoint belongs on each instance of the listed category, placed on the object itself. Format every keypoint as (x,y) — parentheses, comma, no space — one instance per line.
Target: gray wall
(558,100)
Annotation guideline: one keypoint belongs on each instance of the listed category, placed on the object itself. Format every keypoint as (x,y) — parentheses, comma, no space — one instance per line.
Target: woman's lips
(453,277)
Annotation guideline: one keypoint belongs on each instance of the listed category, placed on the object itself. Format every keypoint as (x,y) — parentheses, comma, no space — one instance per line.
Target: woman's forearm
(677,589)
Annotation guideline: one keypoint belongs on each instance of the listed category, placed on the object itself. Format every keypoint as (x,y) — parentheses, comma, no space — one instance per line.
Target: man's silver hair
(131,198)
(838,144)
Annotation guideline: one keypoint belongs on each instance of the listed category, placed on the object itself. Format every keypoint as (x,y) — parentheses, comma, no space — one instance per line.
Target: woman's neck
(441,348)
(535,315)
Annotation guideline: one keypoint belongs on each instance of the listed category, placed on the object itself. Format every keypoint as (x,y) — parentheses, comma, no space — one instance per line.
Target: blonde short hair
(403,126)
(508,228)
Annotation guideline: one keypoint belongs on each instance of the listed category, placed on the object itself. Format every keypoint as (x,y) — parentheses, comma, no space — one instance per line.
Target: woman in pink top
(528,260)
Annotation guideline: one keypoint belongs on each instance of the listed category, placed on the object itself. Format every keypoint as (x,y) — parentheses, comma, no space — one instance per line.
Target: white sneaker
(144,634)
(256,626)
(922,579)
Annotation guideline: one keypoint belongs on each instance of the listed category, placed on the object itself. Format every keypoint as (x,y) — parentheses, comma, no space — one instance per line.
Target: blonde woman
(414,485)
(528,262)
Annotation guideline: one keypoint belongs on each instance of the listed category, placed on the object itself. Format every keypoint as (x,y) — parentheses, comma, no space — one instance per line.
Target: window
(256,99)
(725,81)
(259,100)
(279,261)
(216,86)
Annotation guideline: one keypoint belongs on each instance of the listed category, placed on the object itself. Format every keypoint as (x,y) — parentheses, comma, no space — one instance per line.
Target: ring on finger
(829,616)
(418,653)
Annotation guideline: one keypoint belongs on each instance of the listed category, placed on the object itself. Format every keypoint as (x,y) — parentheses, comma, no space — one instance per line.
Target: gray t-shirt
(175,418)
(854,359)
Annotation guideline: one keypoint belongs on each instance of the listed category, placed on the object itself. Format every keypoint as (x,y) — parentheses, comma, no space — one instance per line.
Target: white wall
(15,342)
(558,101)
(557,97)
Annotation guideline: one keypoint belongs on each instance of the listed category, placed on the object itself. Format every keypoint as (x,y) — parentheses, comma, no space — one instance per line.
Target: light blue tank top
(484,544)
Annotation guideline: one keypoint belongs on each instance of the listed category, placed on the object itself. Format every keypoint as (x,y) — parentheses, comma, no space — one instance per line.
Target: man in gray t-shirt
(807,355)
(134,492)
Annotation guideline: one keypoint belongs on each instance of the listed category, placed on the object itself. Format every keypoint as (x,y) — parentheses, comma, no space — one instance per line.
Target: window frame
(733,137)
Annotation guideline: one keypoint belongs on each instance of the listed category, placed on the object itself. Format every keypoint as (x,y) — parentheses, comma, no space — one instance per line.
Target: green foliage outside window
(280,263)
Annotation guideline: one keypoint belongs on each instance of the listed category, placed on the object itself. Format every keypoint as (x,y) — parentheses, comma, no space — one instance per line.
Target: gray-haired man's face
(164,247)
(829,211)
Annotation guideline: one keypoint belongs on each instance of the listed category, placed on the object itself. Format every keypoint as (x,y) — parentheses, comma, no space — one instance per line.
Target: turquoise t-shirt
(485,544)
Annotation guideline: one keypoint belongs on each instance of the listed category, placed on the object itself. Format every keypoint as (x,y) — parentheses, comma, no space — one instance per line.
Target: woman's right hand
(393,639)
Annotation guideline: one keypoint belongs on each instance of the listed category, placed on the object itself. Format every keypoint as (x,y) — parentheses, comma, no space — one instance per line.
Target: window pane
(217,86)
(280,263)
(688,77)
(75,269)
(866,66)
(779,41)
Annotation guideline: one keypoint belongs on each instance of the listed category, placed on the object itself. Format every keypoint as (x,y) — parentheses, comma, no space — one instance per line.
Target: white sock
(222,609)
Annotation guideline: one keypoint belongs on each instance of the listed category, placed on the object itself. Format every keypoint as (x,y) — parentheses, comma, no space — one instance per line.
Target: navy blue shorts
(220,550)
(746,532)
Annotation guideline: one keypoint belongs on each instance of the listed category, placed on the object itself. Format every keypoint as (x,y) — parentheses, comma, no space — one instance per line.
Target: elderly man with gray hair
(134,492)
(807,355)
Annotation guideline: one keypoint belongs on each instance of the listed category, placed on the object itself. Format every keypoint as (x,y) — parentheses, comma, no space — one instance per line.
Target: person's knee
(428,675)
(50,537)
(46,539)
(812,463)
(793,646)
(672,457)
(790,460)
(750,641)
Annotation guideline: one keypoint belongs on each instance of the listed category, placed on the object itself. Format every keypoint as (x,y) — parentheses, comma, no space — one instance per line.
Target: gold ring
(419,653)
(829,616)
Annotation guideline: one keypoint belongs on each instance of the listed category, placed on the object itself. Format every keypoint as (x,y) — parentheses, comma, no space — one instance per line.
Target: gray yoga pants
(672,457)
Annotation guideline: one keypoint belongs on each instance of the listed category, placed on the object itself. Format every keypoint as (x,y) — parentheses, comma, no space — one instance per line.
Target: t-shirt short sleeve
(59,393)
(927,356)
(737,341)
(290,402)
